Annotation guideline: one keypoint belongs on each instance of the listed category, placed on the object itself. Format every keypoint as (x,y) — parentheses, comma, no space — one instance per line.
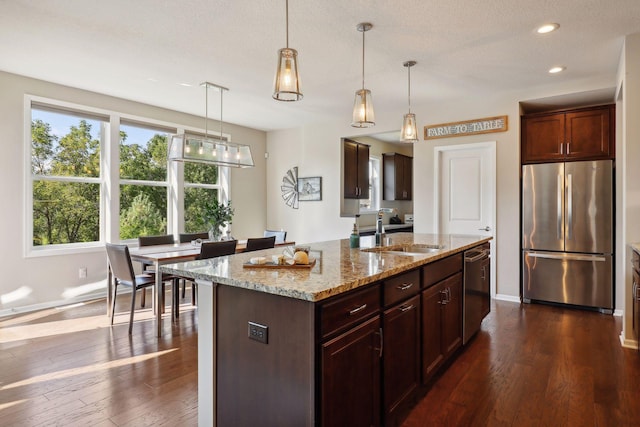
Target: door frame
(438,151)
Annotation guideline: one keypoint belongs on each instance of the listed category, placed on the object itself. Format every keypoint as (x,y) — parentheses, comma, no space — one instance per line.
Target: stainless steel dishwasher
(477,294)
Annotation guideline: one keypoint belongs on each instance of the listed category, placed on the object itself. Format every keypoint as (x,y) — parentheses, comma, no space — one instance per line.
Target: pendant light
(409,132)
(287,81)
(210,150)
(363,116)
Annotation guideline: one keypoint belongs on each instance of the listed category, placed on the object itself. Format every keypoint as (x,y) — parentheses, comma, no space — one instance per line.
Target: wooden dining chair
(189,237)
(163,239)
(212,250)
(123,274)
(281,235)
(257,243)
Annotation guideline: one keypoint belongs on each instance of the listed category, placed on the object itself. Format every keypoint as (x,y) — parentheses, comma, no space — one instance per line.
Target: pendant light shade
(363,115)
(287,81)
(215,150)
(409,132)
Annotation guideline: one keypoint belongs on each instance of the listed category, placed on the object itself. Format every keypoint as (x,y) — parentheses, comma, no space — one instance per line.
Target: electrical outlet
(82,273)
(258,332)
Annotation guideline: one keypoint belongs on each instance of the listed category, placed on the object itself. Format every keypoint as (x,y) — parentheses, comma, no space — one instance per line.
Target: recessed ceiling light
(547,28)
(556,70)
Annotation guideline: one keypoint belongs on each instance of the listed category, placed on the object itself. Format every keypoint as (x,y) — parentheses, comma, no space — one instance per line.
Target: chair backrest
(214,249)
(281,236)
(120,262)
(165,239)
(188,237)
(257,243)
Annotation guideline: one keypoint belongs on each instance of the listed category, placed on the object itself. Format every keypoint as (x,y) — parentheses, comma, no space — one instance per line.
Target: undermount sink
(414,249)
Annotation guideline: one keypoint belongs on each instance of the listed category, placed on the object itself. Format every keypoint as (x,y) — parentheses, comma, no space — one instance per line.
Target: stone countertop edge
(338,268)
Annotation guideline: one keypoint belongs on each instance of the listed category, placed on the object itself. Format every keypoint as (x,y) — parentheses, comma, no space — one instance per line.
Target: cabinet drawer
(436,271)
(348,310)
(401,287)
(635,260)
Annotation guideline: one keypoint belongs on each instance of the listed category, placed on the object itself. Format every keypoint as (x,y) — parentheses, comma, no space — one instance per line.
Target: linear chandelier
(210,150)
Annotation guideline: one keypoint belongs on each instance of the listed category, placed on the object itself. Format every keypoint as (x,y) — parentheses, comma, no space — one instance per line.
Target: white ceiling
(143,50)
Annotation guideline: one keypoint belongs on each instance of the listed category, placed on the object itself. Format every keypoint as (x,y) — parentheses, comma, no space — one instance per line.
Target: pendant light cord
(363,59)
(221,93)
(206,111)
(409,90)
(287,15)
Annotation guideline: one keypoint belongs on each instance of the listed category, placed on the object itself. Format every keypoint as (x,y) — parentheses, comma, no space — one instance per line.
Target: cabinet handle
(404,308)
(357,310)
(404,286)
(443,301)
(482,277)
(448,295)
(561,148)
(381,343)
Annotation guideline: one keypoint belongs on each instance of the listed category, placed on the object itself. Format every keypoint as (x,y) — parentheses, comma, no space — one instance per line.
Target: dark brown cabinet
(401,328)
(356,170)
(351,377)
(585,134)
(441,313)
(397,176)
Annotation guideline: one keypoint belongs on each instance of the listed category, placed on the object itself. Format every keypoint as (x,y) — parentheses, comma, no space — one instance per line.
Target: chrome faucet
(379,227)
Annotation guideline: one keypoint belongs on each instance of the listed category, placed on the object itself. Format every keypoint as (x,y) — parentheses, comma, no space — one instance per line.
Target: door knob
(487,228)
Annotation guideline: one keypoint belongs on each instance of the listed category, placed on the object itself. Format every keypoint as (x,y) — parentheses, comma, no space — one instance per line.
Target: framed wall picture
(310,189)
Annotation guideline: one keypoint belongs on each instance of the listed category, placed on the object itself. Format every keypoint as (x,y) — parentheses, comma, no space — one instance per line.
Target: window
(69,203)
(65,176)
(202,183)
(373,202)
(143,181)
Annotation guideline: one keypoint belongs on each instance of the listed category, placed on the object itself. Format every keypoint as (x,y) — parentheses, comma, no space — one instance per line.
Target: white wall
(316,150)
(628,176)
(30,282)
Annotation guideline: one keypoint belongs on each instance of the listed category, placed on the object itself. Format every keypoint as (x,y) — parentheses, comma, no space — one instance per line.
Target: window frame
(375,191)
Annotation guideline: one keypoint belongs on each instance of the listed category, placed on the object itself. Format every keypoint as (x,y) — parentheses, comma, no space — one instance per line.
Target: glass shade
(409,132)
(287,83)
(363,116)
(188,148)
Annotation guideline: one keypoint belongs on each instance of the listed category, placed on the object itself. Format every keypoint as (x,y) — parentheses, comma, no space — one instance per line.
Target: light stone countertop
(338,268)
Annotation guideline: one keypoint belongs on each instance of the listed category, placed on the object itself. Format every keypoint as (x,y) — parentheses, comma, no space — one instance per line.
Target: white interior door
(465,198)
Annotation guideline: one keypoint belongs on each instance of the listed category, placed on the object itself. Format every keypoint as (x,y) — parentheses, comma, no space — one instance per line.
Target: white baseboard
(627,343)
(53,304)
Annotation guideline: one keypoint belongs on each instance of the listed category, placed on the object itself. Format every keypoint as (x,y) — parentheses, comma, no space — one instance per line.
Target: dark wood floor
(531,365)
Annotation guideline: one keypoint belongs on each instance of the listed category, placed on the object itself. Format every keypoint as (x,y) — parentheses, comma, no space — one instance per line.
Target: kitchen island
(271,342)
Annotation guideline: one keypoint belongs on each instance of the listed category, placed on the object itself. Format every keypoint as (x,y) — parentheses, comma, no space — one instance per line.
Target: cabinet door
(397,176)
(350,384)
(452,315)
(401,366)
(350,170)
(407,177)
(432,351)
(587,135)
(542,138)
(363,171)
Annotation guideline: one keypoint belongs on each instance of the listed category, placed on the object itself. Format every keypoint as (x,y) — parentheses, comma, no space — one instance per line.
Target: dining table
(157,255)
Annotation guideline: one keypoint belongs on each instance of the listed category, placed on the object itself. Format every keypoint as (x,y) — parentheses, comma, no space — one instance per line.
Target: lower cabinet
(351,377)
(441,324)
(401,367)
(635,295)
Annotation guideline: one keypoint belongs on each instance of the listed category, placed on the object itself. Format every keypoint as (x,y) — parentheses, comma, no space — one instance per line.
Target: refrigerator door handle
(559,208)
(570,206)
(565,256)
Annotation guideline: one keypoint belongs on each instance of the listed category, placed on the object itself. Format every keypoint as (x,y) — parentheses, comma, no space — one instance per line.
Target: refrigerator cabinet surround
(578,279)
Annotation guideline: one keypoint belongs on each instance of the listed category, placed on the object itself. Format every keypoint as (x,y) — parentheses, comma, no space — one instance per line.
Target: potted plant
(217,216)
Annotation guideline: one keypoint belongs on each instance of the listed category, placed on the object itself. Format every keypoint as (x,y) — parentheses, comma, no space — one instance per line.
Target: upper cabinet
(356,170)
(397,176)
(585,134)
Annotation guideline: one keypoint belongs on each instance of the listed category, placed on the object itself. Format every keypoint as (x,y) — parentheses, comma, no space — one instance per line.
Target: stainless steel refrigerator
(567,226)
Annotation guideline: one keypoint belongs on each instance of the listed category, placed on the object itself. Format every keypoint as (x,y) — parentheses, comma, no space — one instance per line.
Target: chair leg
(193,292)
(142,298)
(133,307)
(113,301)
(184,287)
(175,306)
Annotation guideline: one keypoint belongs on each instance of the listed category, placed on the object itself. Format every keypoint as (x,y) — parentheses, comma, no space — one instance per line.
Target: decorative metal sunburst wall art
(289,187)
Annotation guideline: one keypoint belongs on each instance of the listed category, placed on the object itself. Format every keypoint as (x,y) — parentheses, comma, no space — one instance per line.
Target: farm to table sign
(468,127)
